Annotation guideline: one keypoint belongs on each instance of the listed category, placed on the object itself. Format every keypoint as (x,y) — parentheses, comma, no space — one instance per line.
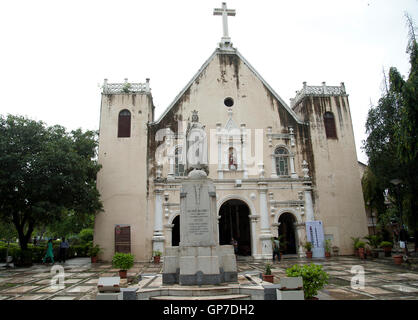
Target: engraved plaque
(123,239)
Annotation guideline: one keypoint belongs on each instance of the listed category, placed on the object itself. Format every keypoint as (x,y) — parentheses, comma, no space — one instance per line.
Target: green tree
(44,173)
(70,224)
(392,135)
(372,192)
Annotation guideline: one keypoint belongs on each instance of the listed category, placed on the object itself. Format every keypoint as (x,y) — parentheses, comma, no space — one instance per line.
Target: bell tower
(126,109)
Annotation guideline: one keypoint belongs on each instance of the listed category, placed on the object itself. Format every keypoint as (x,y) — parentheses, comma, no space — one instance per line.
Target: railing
(125,87)
(323,90)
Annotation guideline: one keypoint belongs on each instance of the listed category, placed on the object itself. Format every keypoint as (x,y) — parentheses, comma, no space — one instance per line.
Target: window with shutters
(282,161)
(124,124)
(329,123)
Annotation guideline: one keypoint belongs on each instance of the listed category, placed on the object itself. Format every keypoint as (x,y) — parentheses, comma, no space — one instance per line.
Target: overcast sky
(55,54)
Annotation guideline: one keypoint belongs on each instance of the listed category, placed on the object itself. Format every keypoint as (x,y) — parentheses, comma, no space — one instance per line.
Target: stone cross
(224,12)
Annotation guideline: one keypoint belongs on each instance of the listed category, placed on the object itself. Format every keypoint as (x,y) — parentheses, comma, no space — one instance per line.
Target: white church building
(277,167)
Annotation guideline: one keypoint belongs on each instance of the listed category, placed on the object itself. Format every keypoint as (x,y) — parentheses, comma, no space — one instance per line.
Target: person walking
(403,241)
(49,252)
(63,250)
(235,244)
(276,249)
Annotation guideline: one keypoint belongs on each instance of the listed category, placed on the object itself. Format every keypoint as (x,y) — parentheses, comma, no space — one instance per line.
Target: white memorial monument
(199,259)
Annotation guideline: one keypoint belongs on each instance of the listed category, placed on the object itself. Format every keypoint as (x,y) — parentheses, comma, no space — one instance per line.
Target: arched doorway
(175,232)
(287,233)
(235,223)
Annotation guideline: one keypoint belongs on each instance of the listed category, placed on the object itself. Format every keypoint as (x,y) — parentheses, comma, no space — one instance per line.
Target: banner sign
(315,235)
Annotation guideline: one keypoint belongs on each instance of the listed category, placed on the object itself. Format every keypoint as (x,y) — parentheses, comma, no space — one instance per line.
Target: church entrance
(175,232)
(235,223)
(287,233)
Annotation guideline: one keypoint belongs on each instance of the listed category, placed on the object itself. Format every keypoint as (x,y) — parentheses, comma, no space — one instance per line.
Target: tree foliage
(45,172)
(392,143)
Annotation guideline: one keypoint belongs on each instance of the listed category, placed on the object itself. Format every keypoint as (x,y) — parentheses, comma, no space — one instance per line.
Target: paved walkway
(383,279)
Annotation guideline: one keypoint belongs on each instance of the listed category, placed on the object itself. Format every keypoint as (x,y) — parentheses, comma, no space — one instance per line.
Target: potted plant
(123,261)
(398,258)
(374,241)
(94,252)
(328,248)
(314,278)
(308,248)
(360,245)
(387,247)
(157,256)
(267,276)
(355,240)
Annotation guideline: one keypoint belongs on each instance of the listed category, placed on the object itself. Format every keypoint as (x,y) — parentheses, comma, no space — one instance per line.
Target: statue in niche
(197,146)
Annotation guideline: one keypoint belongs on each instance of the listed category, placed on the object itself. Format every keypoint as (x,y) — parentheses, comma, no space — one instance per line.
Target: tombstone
(291,288)
(108,284)
(199,259)
(109,289)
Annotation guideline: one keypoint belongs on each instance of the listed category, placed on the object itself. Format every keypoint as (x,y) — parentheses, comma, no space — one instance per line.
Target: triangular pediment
(235,52)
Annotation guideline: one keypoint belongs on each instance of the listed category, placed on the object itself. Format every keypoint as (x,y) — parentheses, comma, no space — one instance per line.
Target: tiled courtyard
(383,279)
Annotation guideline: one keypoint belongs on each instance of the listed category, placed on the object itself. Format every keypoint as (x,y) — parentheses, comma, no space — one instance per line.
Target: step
(220,297)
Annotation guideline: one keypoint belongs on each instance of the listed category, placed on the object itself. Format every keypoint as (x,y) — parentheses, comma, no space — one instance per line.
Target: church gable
(228,75)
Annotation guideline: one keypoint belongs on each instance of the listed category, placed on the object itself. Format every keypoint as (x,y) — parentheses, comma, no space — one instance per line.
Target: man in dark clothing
(63,250)
(403,237)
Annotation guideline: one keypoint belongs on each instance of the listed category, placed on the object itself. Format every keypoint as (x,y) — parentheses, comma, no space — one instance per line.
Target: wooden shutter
(123,239)
(124,124)
(329,123)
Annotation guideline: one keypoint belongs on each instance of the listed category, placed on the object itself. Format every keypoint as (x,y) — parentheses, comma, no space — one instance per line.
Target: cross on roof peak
(224,12)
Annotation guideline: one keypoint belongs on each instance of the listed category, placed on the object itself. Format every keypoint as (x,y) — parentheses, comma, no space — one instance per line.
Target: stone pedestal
(199,259)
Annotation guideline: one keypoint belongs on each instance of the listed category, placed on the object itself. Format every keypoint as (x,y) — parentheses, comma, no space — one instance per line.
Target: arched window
(179,163)
(329,123)
(282,161)
(124,124)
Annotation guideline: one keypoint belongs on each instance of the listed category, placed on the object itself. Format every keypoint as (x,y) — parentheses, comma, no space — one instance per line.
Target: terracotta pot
(398,259)
(313,298)
(356,252)
(268,278)
(93,259)
(361,253)
(388,251)
(157,259)
(309,254)
(327,254)
(123,274)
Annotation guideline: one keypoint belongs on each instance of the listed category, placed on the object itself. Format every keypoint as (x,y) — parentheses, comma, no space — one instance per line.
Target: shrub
(86,235)
(355,240)
(123,261)
(314,278)
(94,251)
(267,269)
(360,244)
(373,240)
(328,245)
(156,253)
(385,244)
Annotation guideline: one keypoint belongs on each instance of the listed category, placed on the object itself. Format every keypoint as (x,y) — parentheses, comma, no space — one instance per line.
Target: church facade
(275,166)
